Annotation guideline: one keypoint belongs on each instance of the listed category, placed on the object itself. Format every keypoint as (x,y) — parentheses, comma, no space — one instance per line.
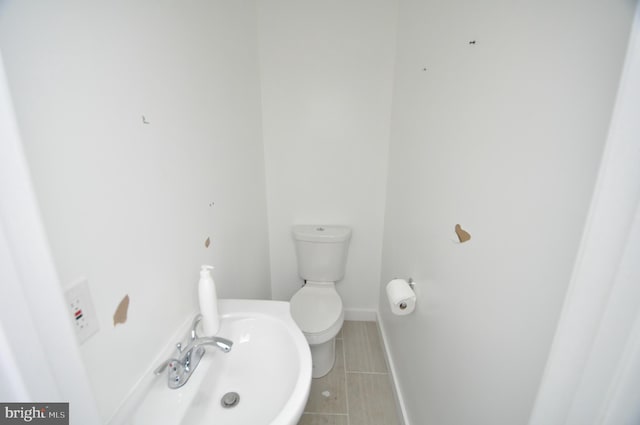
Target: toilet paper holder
(412,285)
(410,281)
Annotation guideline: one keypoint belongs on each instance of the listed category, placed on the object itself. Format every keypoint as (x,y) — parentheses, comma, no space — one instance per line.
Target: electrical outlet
(81,308)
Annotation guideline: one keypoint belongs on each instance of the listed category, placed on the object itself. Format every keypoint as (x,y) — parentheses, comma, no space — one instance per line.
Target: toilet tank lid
(321,233)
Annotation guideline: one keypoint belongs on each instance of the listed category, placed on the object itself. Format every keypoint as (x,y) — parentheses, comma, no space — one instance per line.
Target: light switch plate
(81,310)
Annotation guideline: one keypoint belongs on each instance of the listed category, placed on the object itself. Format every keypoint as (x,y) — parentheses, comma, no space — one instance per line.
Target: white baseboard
(360,315)
(402,413)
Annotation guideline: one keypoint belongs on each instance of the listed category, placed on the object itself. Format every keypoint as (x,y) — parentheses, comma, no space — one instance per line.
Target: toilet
(317,308)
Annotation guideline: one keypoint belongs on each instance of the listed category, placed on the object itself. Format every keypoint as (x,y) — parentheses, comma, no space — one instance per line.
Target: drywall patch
(120,316)
(463,235)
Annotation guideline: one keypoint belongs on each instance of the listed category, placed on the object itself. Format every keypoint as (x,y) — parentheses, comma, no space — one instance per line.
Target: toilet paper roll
(401,297)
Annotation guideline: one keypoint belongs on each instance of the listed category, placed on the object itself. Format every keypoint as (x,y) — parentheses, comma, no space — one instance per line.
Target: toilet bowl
(321,252)
(317,309)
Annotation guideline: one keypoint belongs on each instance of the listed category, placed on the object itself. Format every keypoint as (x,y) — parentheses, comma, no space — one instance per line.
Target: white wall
(504,137)
(326,72)
(592,375)
(52,368)
(127,204)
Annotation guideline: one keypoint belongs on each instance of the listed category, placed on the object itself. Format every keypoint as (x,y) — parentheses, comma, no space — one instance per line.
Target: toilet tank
(321,251)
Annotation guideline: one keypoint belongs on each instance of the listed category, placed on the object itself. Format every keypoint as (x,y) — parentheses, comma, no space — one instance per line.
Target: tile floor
(357,391)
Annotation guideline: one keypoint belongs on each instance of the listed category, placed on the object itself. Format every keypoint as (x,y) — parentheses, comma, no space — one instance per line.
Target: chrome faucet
(181,367)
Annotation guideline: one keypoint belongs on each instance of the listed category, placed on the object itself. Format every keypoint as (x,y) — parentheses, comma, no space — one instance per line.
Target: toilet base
(323,357)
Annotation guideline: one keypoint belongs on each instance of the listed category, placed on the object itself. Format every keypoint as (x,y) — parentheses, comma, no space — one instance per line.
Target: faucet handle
(164,364)
(179,347)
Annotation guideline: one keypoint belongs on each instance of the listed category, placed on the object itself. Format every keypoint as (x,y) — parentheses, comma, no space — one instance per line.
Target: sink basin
(269,367)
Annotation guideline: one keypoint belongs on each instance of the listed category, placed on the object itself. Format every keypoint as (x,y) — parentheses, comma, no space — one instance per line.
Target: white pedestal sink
(269,367)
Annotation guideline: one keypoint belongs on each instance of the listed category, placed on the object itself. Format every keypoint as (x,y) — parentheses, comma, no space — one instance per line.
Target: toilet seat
(317,309)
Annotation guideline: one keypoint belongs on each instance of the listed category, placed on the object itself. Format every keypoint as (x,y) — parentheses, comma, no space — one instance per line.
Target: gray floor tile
(358,389)
(363,348)
(328,394)
(371,400)
(308,419)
